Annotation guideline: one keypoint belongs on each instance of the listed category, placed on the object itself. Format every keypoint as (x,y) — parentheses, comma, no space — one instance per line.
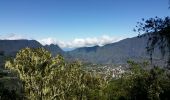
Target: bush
(46,78)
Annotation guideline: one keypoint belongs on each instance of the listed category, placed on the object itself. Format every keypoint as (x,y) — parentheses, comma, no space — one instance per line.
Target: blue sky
(67,20)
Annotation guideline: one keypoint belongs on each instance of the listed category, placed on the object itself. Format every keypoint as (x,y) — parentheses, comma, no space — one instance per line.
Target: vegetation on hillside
(44,77)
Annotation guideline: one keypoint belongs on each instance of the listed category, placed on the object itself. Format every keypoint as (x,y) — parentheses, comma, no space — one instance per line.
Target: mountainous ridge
(11,47)
(114,53)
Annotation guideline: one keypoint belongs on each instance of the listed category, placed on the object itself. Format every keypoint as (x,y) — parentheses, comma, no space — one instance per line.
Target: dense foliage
(8,92)
(141,83)
(51,78)
(48,78)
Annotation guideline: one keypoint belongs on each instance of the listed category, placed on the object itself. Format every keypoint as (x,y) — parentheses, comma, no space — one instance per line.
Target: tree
(158,30)
(30,65)
(140,83)
(51,78)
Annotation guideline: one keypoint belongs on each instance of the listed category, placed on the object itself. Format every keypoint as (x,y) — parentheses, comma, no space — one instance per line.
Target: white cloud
(12,36)
(77,42)
(80,42)
(48,41)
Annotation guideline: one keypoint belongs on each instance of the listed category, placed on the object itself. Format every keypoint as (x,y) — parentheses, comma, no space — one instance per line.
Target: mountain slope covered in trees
(116,53)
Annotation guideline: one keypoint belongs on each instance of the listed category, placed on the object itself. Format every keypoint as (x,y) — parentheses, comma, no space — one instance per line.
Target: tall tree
(51,78)
(30,65)
(158,30)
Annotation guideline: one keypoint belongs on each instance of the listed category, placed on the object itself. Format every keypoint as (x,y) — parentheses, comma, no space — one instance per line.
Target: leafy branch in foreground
(48,78)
